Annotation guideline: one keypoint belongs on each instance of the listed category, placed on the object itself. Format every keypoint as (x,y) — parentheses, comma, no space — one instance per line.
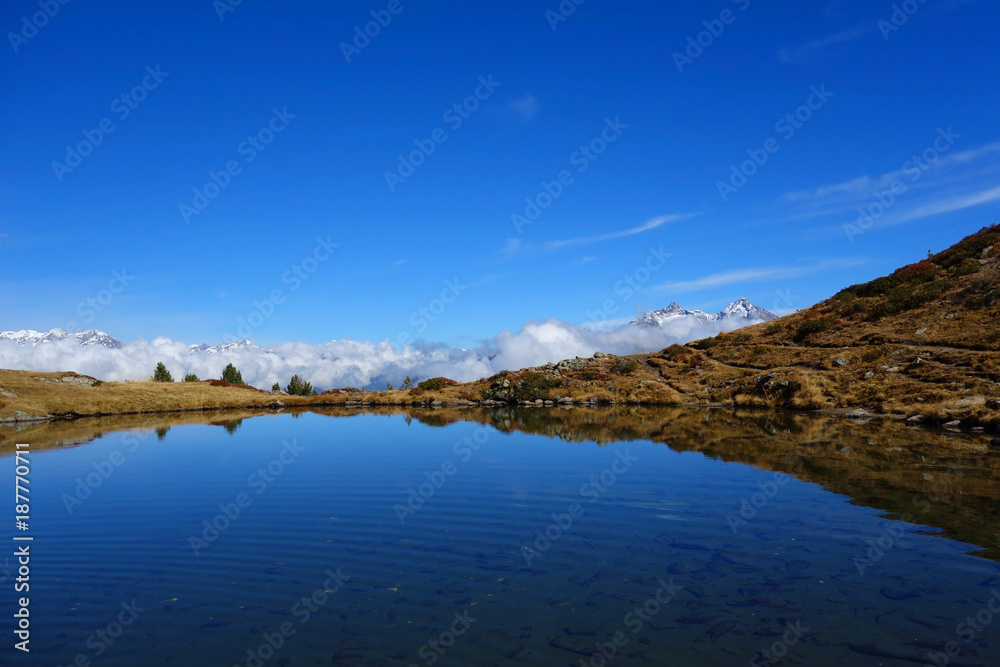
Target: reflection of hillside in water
(946,480)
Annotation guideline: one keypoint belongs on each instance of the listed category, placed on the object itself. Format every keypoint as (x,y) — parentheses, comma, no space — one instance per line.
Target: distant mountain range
(35,338)
(740,313)
(95,337)
(239,345)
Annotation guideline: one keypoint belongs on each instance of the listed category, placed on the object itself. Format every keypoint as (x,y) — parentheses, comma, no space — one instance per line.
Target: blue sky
(641,138)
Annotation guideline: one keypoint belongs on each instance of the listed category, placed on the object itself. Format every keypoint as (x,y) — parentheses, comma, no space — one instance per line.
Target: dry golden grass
(923,341)
(37,397)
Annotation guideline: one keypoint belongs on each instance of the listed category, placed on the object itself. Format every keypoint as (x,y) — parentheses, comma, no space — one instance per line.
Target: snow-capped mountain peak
(245,344)
(742,308)
(88,337)
(739,310)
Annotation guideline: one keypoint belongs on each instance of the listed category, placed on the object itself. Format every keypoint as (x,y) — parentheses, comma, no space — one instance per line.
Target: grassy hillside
(920,343)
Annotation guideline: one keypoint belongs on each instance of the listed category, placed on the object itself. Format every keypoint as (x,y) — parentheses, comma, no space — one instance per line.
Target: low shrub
(434,384)
(810,327)
(625,365)
(534,386)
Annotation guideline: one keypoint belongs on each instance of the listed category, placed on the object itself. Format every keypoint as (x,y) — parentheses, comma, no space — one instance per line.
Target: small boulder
(955,423)
(840,361)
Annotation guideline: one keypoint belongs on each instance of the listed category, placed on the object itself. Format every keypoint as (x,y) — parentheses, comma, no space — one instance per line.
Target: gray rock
(868,375)
(571,364)
(916,419)
(858,413)
(276,405)
(840,361)
(971,400)
(920,331)
(599,355)
(955,423)
(7,394)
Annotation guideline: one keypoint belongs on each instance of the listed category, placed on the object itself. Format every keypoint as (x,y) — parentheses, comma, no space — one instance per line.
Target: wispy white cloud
(755,275)
(351,363)
(632,231)
(862,187)
(526,107)
(919,188)
(811,49)
(951,205)
(513,247)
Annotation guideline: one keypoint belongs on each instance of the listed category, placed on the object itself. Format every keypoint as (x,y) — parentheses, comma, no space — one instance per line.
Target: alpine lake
(577,536)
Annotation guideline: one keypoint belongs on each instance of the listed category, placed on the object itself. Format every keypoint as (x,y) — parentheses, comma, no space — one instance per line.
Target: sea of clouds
(350,363)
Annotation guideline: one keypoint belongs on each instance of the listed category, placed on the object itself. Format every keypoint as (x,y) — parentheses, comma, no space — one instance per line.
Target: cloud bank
(349,363)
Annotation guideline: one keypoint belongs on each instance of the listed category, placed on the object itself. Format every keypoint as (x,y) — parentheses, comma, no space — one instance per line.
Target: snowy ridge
(238,346)
(737,311)
(88,337)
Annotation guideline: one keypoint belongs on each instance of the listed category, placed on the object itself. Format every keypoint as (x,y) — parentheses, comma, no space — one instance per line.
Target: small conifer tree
(161,374)
(231,375)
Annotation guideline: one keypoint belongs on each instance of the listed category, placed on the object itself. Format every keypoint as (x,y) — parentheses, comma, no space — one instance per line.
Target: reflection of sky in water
(666,518)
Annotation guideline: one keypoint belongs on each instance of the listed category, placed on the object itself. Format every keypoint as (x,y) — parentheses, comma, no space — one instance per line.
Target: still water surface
(382,540)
